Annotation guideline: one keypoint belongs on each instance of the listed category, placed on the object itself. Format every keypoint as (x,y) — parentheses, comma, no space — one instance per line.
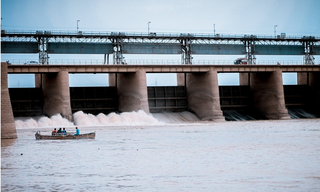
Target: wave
(87,119)
(125,118)
(54,121)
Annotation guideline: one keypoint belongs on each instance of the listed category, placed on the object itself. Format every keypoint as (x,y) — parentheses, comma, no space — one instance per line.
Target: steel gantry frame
(186,51)
(43,50)
(309,53)
(184,44)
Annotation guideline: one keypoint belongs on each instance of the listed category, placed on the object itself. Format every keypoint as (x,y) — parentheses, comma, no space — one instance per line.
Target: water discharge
(139,118)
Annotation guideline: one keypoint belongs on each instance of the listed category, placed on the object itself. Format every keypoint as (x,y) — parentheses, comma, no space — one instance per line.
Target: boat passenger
(64,131)
(77,131)
(54,132)
(59,131)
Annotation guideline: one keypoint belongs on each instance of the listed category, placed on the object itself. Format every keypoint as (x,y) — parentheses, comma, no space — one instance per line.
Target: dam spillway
(261,89)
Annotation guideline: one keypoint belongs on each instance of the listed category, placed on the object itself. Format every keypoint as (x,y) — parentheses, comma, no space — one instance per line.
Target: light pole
(149,27)
(78,25)
(214,29)
(275,30)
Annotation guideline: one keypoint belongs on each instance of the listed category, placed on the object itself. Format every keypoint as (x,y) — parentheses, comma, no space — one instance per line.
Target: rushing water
(228,156)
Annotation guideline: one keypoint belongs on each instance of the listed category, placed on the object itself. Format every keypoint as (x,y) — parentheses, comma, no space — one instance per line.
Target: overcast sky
(293,17)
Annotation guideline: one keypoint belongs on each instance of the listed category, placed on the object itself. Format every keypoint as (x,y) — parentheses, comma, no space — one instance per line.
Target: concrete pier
(132,91)
(8,128)
(181,79)
(203,95)
(56,94)
(37,80)
(112,79)
(244,79)
(268,94)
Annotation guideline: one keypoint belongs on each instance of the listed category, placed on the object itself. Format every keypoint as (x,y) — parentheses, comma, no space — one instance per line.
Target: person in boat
(64,131)
(54,132)
(59,131)
(77,131)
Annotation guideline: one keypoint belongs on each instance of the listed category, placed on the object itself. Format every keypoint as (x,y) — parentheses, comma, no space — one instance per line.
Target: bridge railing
(151,34)
(149,62)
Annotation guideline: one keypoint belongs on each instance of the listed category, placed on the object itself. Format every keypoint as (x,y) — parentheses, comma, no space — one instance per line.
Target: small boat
(65,136)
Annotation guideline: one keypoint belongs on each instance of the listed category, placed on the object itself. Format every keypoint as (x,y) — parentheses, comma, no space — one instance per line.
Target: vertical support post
(132,91)
(308,52)
(268,94)
(43,49)
(186,57)
(181,79)
(8,128)
(56,94)
(203,95)
(250,50)
(117,54)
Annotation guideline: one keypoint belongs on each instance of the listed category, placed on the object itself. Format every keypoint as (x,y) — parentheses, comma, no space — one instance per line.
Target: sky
(236,17)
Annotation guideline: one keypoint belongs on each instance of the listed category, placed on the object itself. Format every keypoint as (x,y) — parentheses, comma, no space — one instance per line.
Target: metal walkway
(185,44)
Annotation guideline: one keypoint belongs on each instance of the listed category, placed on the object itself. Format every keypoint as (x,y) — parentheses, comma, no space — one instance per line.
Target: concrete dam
(261,91)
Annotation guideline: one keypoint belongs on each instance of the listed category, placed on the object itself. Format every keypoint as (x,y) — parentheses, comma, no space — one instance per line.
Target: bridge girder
(124,43)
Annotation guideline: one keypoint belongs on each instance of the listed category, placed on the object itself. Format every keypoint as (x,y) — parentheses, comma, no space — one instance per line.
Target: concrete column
(56,94)
(268,94)
(203,95)
(112,79)
(244,78)
(132,91)
(302,78)
(37,79)
(8,128)
(181,79)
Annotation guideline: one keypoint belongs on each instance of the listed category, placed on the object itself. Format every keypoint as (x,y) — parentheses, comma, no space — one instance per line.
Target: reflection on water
(227,156)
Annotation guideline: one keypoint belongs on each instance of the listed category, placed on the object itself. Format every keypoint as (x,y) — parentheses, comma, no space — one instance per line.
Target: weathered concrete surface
(8,128)
(161,68)
(112,80)
(268,94)
(244,78)
(203,95)
(56,94)
(181,79)
(132,91)
(37,80)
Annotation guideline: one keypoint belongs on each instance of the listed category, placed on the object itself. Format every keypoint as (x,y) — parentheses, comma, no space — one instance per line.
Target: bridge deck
(160,68)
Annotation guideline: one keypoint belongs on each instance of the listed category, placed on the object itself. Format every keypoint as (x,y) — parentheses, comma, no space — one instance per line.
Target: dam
(261,90)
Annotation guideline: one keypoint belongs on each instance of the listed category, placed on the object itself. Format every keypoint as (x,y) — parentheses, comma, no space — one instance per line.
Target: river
(263,155)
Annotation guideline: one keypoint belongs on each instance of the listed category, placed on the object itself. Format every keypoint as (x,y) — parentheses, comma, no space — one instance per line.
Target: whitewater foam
(54,121)
(126,118)
(87,119)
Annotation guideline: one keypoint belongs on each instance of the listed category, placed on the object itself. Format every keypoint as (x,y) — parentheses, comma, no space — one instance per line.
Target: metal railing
(152,34)
(151,62)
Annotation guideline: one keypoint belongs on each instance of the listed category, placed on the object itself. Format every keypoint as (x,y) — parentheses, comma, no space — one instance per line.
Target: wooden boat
(65,136)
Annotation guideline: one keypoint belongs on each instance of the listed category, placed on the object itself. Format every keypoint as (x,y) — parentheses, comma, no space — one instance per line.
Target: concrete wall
(37,80)
(181,79)
(56,94)
(8,128)
(132,91)
(203,95)
(112,80)
(268,95)
(244,78)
